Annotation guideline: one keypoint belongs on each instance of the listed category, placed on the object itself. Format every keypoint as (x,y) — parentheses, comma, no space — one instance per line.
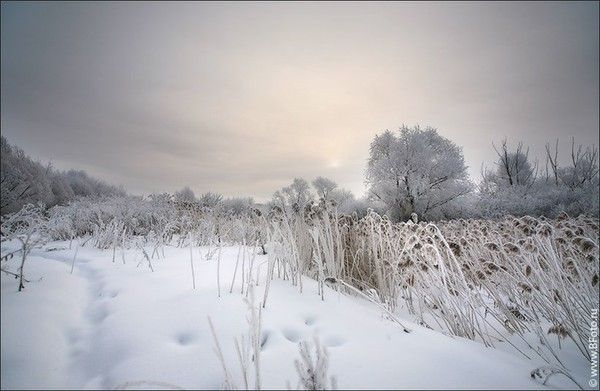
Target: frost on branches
(29,226)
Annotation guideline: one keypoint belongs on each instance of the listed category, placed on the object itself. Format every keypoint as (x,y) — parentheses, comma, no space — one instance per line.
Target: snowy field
(121,325)
(299,195)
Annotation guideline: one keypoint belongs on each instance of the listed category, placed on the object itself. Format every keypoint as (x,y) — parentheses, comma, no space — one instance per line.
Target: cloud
(241,98)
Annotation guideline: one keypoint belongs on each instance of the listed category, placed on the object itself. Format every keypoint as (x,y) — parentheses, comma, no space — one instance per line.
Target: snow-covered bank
(113,324)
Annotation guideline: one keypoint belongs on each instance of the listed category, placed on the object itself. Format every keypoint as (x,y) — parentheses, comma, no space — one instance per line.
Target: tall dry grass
(486,280)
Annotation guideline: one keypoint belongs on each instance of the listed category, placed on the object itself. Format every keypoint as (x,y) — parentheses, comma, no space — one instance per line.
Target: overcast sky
(241,98)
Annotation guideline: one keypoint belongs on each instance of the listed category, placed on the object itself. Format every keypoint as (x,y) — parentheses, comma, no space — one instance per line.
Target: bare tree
(28,226)
(583,170)
(552,161)
(514,168)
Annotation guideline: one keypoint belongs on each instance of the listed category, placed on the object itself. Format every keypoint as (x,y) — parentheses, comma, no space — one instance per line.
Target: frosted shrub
(61,225)
(29,226)
(158,219)
(480,279)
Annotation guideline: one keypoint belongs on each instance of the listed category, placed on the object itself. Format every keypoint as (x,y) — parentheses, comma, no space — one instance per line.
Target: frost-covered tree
(328,191)
(62,191)
(84,185)
(293,197)
(237,205)
(512,168)
(416,171)
(582,171)
(341,197)
(298,193)
(514,188)
(185,195)
(23,180)
(360,206)
(324,187)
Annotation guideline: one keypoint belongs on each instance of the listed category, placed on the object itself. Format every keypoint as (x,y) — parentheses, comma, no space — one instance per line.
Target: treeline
(24,181)
(519,186)
(413,173)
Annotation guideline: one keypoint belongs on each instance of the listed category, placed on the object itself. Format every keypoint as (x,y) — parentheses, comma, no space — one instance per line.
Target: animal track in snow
(98,315)
(334,341)
(186,338)
(310,320)
(297,334)
(291,334)
(264,339)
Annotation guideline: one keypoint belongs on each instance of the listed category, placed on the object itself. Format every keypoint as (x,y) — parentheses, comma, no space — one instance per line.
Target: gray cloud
(241,97)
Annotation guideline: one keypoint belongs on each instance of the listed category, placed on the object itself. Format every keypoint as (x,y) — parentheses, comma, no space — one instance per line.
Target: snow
(121,325)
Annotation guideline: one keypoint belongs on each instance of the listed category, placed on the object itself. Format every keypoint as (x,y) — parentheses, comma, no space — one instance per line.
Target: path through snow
(113,325)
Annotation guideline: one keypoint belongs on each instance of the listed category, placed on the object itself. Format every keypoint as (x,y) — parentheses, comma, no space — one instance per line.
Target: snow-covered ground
(113,325)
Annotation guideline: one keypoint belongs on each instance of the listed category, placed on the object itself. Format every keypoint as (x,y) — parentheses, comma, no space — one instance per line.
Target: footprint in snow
(310,320)
(264,339)
(334,341)
(186,338)
(98,315)
(291,334)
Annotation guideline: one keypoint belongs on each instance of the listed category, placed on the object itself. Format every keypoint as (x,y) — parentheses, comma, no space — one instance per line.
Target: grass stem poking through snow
(228,385)
(74,256)
(219,271)
(192,264)
(237,261)
(312,373)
